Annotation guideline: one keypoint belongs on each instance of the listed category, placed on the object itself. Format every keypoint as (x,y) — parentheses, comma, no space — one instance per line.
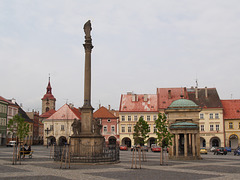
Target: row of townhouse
(8,109)
(219,120)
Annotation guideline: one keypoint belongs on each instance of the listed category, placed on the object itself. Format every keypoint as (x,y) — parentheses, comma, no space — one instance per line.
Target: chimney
(13,100)
(145,98)
(133,97)
(169,94)
(206,92)
(99,106)
(196,93)
(109,107)
(185,93)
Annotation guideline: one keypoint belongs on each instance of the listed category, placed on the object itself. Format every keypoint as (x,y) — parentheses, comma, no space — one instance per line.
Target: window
(239,125)
(129,129)
(217,127)
(149,128)
(216,116)
(109,120)
(201,116)
(211,115)
(202,127)
(148,118)
(113,128)
(129,118)
(211,127)
(123,118)
(51,127)
(123,128)
(104,128)
(230,125)
(155,117)
(135,118)
(154,129)
(62,127)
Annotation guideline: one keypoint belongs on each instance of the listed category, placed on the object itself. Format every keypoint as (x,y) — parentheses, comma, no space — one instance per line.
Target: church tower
(48,100)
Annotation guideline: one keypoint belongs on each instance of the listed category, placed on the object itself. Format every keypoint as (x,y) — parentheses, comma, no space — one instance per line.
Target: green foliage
(18,126)
(164,137)
(141,130)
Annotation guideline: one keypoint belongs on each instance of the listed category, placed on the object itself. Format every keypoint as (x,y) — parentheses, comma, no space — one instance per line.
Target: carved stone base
(87,145)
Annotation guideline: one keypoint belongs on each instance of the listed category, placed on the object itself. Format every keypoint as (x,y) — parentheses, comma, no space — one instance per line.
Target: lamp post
(47,131)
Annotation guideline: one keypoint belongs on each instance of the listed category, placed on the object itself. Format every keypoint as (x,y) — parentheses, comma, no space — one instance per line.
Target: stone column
(193,145)
(172,147)
(87,110)
(176,139)
(88,50)
(185,145)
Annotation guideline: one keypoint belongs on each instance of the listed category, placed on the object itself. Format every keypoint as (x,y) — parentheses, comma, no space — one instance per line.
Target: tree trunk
(161,156)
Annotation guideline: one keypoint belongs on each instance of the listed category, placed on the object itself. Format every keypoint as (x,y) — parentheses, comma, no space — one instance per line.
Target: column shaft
(185,145)
(176,139)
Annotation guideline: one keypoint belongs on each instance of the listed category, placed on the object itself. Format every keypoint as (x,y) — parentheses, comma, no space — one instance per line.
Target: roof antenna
(231,96)
(196,81)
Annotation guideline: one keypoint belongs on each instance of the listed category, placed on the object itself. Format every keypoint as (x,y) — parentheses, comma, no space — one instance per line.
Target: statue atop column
(87,29)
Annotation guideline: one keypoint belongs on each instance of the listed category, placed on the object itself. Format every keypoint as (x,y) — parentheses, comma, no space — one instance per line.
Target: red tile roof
(167,95)
(8,101)
(66,112)
(231,109)
(128,105)
(103,112)
(48,113)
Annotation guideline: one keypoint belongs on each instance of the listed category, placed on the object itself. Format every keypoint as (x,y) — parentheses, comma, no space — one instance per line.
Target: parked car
(133,147)
(203,151)
(156,149)
(11,143)
(220,150)
(144,148)
(123,147)
(237,151)
(229,149)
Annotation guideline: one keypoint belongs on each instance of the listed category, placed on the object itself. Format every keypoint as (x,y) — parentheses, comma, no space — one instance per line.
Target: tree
(141,130)
(19,127)
(164,137)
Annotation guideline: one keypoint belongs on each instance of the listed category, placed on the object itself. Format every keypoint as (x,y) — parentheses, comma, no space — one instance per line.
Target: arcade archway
(112,140)
(62,140)
(127,141)
(233,141)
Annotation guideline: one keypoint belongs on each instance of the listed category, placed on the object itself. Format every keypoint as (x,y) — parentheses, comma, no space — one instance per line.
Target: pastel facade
(211,124)
(231,114)
(132,107)
(3,120)
(57,128)
(109,125)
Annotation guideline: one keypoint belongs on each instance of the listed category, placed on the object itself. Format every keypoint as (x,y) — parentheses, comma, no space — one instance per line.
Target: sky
(139,46)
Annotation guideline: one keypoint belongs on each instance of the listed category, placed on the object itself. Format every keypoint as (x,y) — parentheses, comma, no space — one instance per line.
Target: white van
(11,143)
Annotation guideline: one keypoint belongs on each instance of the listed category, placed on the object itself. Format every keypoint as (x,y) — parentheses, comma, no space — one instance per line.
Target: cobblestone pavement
(42,167)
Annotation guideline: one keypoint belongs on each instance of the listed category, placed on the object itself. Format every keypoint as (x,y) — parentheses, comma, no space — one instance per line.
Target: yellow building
(132,107)
(231,116)
(211,124)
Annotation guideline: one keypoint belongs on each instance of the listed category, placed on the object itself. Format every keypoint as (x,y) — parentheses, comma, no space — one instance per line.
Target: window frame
(211,127)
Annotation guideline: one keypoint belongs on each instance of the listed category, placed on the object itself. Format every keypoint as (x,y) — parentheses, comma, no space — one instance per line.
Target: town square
(119,90)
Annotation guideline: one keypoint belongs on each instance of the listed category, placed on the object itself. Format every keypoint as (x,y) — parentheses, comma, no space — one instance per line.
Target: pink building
(109,125)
